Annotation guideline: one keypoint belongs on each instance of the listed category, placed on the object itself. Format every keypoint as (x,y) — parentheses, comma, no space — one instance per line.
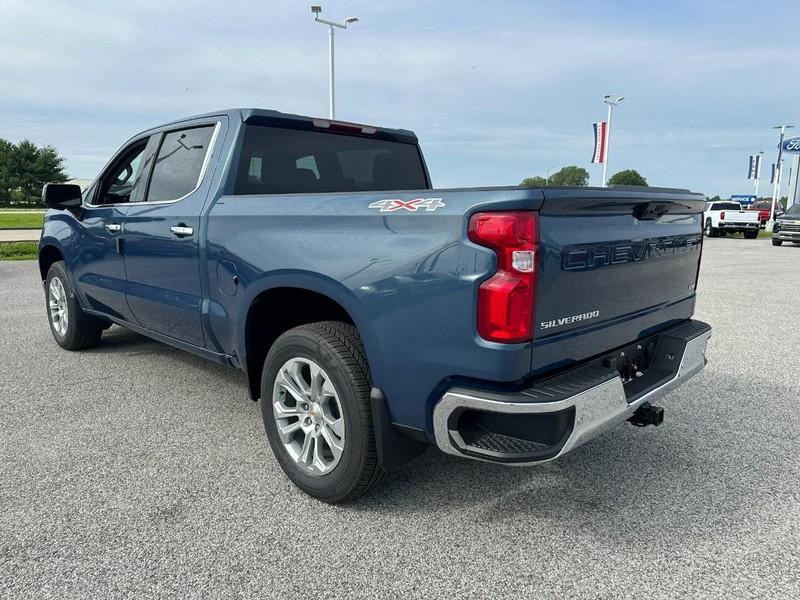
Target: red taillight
(505,300)
(722,216)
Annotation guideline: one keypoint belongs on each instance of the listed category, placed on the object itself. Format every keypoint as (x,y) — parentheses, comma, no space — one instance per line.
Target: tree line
(574,175)
(24,169)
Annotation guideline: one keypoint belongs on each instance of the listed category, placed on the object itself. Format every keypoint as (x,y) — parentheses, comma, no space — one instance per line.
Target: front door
(162,236)
(99,270)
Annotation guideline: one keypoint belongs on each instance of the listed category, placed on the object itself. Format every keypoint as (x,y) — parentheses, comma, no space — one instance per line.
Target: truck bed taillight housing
(505,300)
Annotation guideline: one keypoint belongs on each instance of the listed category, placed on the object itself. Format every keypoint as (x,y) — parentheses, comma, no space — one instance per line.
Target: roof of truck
(249,115)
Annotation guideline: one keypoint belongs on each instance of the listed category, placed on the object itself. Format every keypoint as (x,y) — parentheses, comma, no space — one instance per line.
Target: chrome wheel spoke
(287,431)
(289,384)
(333,442)
(307,450)
(296,374)
(319,459)
(281,411)
(335,425)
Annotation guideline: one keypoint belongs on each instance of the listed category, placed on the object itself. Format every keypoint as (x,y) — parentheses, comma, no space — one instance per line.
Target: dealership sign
(792,145)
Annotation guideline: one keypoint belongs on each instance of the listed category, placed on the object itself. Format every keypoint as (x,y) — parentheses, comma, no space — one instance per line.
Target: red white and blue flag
(754,170)
(599,155)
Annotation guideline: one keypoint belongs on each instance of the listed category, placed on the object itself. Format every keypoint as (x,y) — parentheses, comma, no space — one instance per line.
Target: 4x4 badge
(395,204)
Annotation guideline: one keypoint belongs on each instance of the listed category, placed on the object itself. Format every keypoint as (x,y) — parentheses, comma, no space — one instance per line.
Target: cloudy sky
(496,91)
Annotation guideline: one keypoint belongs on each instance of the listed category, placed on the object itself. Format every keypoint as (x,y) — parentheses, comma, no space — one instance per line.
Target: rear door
(614,266)
(162,234)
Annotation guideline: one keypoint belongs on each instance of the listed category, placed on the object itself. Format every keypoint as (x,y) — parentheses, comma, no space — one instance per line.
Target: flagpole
(793,192)
(607,140)
(776,184)
(758,171)
(611,104)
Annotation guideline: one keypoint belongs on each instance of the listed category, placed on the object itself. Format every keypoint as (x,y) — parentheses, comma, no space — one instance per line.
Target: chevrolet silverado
(371,314)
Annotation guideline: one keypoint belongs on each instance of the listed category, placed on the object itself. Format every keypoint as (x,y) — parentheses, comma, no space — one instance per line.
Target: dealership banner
(754,170)
(772,177)
(599,155)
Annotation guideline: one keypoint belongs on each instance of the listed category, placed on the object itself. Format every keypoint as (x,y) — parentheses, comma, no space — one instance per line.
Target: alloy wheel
(308,416)
(59,314)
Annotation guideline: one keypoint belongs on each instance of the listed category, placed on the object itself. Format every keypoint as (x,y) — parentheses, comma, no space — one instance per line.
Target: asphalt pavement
(135,470)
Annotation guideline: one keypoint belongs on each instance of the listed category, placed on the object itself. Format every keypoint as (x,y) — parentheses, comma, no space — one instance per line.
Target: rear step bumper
(558,414)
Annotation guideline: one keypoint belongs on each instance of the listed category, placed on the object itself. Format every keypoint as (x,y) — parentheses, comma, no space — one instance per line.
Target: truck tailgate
(615,264)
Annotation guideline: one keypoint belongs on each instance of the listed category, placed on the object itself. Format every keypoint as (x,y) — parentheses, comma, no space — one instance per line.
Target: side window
(120,182)
(179,163)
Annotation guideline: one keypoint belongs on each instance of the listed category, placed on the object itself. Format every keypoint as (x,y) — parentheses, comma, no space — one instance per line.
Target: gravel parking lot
(135,470)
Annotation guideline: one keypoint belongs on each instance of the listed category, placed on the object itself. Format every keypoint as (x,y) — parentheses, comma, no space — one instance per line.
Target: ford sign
(792,145)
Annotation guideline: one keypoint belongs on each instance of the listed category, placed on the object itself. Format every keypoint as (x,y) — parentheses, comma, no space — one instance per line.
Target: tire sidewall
(346,473)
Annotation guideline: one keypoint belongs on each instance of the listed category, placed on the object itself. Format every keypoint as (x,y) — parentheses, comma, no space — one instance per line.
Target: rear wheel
(776,242)
(315,404)
(71,327)
(711,231)
(751,235)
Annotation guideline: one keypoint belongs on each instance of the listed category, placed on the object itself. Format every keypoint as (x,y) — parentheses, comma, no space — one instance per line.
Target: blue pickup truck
(372,314)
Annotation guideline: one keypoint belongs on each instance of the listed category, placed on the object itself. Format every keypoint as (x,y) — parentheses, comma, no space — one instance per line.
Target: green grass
(18,250)
(21,220)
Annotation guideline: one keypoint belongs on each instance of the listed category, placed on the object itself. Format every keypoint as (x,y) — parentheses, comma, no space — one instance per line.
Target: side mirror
(61,195)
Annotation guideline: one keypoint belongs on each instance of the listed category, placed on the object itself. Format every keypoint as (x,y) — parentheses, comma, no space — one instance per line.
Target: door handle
(113,228)
(181,230)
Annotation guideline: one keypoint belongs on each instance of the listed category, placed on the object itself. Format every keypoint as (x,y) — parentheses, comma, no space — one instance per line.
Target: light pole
(611,104)
(758,171)
(317,10)
(776,184)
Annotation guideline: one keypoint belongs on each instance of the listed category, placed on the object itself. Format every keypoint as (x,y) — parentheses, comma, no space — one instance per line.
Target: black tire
(776,242)
(335,347)
(751,235)
(709,230)
(81,330)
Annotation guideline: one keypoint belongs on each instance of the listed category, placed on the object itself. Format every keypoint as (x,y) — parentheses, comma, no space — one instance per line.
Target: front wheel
(315,390)
(71,327)
(711,231)
(776,242)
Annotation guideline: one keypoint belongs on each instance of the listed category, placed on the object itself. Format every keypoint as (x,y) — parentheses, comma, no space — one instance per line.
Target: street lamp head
(316,9)
(351,19)
(607,96)
(620,99)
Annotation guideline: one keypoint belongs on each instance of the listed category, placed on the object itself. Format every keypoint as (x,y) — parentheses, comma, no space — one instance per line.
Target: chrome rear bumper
(555,416)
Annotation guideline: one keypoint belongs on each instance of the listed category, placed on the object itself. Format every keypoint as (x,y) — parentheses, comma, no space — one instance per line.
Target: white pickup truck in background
(724,217)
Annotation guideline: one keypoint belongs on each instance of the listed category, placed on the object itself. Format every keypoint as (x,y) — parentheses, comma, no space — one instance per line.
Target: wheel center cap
(315,413)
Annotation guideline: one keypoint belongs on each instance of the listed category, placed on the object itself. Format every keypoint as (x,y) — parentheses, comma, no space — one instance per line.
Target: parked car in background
(372,314)
(787,227)
(763,208)
(728,217)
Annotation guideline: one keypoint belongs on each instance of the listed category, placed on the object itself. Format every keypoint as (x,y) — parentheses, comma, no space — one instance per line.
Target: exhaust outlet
(647,414)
